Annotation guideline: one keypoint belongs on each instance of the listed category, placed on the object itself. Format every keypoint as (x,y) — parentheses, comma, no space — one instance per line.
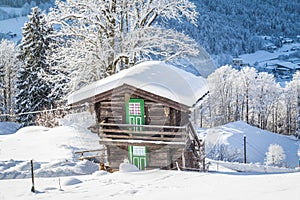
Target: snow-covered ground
(60,175)
(257,143)
(13,26)
(263,57)
(11,11)
(157,184)
(8,128)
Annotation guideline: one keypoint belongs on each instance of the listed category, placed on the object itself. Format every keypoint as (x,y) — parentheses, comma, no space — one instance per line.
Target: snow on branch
(100,38)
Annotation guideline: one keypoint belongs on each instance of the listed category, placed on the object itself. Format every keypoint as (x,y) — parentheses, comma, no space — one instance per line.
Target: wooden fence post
(32,177)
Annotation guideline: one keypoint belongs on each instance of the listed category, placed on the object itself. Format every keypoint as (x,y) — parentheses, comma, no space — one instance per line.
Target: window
(134,108)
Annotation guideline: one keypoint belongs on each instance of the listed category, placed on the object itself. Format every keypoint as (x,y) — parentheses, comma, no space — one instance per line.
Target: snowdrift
(7,128)
(230,139)
(52,150)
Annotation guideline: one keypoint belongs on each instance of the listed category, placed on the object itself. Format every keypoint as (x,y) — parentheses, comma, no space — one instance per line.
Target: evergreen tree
(33,90)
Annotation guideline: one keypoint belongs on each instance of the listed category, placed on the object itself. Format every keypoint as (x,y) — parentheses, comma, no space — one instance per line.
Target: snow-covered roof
(288,65)
(152,76)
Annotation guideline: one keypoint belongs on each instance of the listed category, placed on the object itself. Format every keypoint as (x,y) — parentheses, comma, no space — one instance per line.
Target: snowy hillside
(52,150)
(232,27)
(13,15)
(230,138)
(12,28)
(8,128)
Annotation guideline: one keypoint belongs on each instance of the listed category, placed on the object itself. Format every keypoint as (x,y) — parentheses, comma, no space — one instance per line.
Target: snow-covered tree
(2,99)
(293,98)
(222,92)
(33,90)
(296,83)
(265,94)
(275,122)
(8,67)
(103,37)
(275,155)
(248,76)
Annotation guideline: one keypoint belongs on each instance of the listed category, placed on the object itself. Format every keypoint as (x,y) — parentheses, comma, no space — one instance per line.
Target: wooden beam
(142,143)
(86,151)
(143,126)
(151,133)
(107,136)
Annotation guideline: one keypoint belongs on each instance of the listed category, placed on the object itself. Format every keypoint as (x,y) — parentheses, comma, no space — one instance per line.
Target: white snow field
(257,142)
(14,26)
(59,175)
(157,184)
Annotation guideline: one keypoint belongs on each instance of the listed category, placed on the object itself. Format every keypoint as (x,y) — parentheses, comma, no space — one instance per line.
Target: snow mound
(127,167)
(86,167)
(227,142)
(100,173)
(21,169)
(71,181)
(7,128)
(46,144)
(51,149)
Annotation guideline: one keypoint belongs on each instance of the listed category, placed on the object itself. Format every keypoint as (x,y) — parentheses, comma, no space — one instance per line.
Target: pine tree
(33,90)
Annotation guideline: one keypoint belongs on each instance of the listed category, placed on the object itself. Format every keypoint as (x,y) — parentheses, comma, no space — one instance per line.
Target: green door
(138,156)
(135,114)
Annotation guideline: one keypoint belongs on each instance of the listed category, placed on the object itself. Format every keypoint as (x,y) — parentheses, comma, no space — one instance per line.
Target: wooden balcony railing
(109,131)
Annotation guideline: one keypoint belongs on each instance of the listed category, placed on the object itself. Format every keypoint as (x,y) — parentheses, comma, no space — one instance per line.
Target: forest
(230,27)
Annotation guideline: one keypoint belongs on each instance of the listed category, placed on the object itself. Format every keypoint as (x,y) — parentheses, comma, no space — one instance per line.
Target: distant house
(286,68)
(237,61)
(271,48)
(143,115)
(287,40)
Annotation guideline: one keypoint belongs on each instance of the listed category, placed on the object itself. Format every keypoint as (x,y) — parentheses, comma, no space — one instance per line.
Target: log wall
(163,158)
(112,110)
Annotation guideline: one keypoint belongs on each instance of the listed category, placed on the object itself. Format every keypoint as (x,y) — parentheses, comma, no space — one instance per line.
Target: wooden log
(111,103)
(143,126)
(89,157)
(103,136)
(154,144)
(88,151)
(151,133)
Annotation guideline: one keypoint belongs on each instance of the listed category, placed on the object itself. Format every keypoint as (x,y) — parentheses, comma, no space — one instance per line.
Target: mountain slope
(229,26)
(227,143)
(232,27)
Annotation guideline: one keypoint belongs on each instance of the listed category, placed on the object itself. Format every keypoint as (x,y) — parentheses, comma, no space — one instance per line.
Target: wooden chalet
(143,115)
